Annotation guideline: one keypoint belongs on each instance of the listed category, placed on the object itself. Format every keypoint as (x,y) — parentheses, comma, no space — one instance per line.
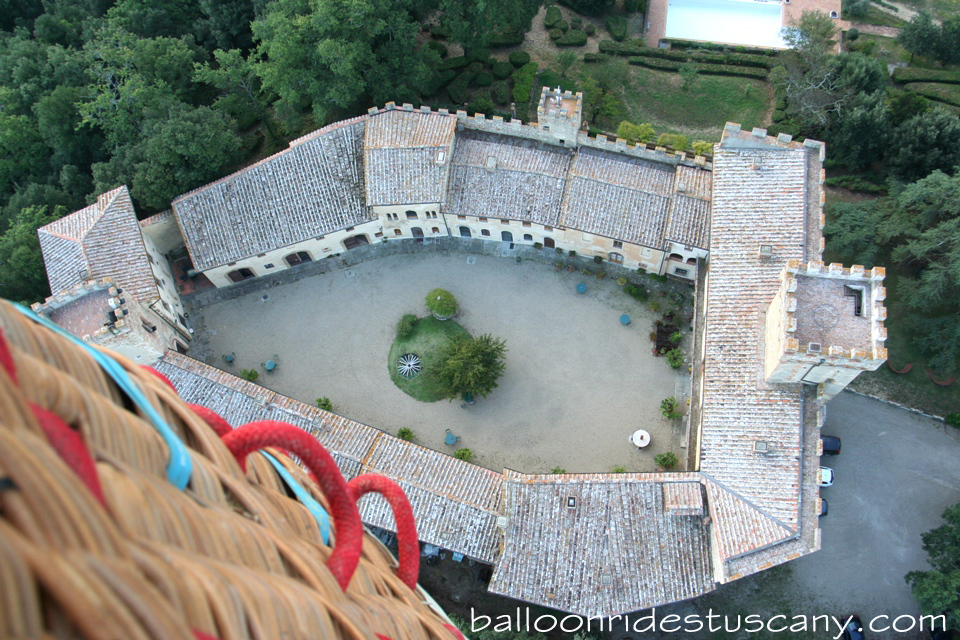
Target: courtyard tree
(937,591)
(925,143)
(920,35)
(634,133)
(441,303)
(470,365)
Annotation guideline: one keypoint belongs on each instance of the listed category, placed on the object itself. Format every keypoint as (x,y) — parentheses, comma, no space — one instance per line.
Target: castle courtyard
(577,383)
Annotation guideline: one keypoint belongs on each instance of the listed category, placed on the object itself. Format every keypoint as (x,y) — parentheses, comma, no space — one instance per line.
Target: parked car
(823,507)
(826,476)
(831,445)
(854,629)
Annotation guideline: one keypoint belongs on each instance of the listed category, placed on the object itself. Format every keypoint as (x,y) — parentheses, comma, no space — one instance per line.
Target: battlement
(90,309)
(734,137)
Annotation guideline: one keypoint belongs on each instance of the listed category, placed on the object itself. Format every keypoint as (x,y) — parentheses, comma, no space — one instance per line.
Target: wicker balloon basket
(126,513)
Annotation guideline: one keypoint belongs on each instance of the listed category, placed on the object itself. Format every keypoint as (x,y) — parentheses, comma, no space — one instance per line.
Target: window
(617,244)
(461,217)
(485,232)
(435,230)
(355,241)
(834,14)
(586,237)
(526,224)
(676,256)
(238,275)
(378,234)
(320,237)
(397,232)
(506,236)
(411,215)
(166,306)
(349,229)
(298,258)
(527,237)
(546,228)
(681,272)
(562,141)
(548,243)
(269,265)
(261,255)
(157,282)
(149,327)
(615,258)
(691,261)
(483,219)
(417,233)
(502,221)
(465,232)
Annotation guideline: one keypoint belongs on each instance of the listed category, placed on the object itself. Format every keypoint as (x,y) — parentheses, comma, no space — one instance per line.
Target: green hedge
(500,92)
(459,89)
(454,63)
(563,25)
(576,23)
(555,34)
(502,70)
(946,93)
(478,55)
(617,26)
(590,28)
(910,74)
(519,58)
(637,48)
(439,47)
(572,39)
(709,70)
(483,79)
(553,17)
(594,57)
(523,82)
(441,31)
(855,182)
(710,46)
(505,39)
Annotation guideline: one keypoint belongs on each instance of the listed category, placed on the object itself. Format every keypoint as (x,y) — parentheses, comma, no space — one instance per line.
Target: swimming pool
(746,22)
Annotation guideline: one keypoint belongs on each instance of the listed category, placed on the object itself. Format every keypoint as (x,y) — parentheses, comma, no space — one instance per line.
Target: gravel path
(577,382)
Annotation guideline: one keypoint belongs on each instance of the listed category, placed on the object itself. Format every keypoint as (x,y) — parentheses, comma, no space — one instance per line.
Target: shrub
(479,55)
(505,39)
(500,92)
(559,251)
(523,82)
(441,302)
(553,17)
(324,403)
(405,433)
(441,31)
(454,63)
(483,79)
(856,182)
(617,26)
(576,22)
(439,47)
(676,337)
(538,245)
(558,470)
(249,375)
(619,469)
(635,6)
(778,115)
(563,25)
(405,325)
(571,253)
(654,306)
(853,34)
(519,58)
(555,33)
(502,70)
(590,29)
(573,38)
(634,133)
(459,89)
(702,147)
(475,67)
(636,292)
(670,408)
(621,281)
(677,141)
(463,454)
(481,103)
(953,419)
(549,78)
(666,460)
(675,358)
(598,259)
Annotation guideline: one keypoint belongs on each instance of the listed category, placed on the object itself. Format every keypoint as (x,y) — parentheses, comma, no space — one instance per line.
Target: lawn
(940,9)
(659,98)
(428,337)
(948,93)
(878,17)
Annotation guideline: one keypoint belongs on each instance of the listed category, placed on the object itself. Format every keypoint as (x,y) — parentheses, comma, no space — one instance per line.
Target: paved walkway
(577,383)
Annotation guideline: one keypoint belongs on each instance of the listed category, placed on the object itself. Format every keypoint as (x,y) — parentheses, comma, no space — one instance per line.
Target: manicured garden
(427,339)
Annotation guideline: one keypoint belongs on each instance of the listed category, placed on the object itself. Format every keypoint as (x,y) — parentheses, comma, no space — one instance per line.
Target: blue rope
(304,497)
(179,467)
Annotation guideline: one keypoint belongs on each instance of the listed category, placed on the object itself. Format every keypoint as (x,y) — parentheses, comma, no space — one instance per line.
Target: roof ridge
(747,502)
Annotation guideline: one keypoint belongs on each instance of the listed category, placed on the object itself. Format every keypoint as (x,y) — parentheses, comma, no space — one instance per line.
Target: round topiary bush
(502,70)
(441,303)
(853,34)
(555,33)
(519,58)
(500,92)
(576,22)
(563,25)
(479,55)
(463,454)
(666,460)
(483,79)
(590,29)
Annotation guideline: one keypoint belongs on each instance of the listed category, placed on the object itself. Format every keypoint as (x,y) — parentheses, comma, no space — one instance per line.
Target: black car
(831,445)
(823,507)
(854,629)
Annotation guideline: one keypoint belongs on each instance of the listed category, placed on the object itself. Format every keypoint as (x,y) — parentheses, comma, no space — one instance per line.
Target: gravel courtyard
(577,382)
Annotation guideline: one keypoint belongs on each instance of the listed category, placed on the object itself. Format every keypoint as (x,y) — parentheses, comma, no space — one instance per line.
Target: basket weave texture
(97,542)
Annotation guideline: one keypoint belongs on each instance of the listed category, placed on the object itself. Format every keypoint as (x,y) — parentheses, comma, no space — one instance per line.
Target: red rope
(6,358)
(159,376)
(254,436)
(70,446)
(213,419)
(408,552)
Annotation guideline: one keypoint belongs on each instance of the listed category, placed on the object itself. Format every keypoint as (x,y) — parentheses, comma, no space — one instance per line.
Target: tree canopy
(470,365)
(937,591)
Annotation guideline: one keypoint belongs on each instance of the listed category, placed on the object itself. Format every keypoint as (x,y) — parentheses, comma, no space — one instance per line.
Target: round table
(640,438)
(270,365)
(625,319)
(581,288)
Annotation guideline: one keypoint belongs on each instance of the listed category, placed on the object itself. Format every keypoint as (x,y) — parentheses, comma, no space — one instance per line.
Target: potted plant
(441,304)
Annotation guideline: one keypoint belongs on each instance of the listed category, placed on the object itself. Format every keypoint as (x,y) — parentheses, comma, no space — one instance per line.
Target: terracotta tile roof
(758,197)
(504,177)
(455,503)
(84,315)
(613,211)
(683,498)
(313,188)
(402,156)
(103,240)
(624,171)
(739,527)
(399,129)
(688,221)
(694,182)
(616,550)
(405,176)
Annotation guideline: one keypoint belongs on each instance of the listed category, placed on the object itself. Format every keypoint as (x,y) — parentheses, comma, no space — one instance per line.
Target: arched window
(298,258)
(239,275)
(397,232)
(485,232)
(465,232)
(412,215)
(506,236)
(435,230)
(527,237)
(615,258)
(548,243)
(356,241)
(676,256)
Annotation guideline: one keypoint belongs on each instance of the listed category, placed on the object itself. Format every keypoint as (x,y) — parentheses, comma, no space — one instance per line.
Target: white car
(826,476)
